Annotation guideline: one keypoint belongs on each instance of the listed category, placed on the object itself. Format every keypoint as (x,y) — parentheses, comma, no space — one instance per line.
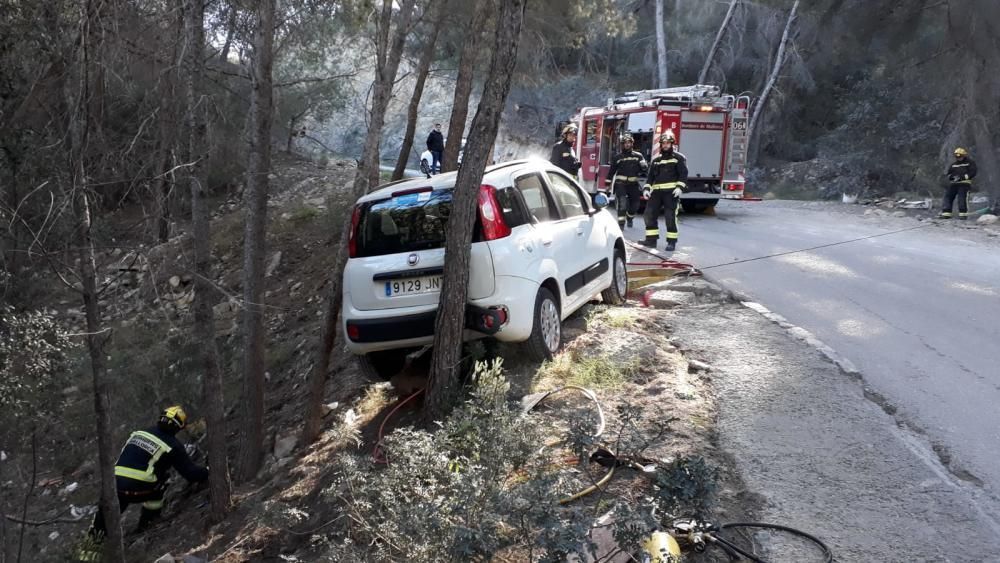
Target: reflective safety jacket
(962,171)
(564,156)
(629,165)
(149,454)
(668,171)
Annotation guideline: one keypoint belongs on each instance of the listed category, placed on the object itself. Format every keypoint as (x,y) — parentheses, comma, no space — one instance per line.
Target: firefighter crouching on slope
(625,171)
(664,186)
(960,175)
(141,474)
(564,152)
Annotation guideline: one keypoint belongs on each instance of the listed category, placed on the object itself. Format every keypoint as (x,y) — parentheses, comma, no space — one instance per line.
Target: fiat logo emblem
(412,259)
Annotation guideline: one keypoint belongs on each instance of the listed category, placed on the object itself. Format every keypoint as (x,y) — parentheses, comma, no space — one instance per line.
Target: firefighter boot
(671,245)
(149,515)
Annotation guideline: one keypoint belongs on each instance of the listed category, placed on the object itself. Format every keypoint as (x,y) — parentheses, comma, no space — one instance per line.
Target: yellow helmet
(668,135)
(961,152)
(175,416)
(571,128)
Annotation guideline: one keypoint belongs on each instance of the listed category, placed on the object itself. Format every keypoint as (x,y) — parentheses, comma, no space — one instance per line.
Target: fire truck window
(570,202)
(591,132)
(609,141)
(539,204)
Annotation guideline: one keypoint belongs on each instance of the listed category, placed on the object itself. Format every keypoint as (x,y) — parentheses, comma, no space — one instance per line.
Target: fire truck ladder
(681,93)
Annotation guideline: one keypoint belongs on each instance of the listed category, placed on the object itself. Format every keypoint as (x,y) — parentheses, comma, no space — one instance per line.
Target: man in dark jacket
(960,175)
(564,152)
(141,473)
(624,173)
(664,186)
(435,144)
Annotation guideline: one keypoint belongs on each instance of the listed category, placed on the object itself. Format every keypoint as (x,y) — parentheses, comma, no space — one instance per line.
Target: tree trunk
(79,100)
(230,31)
(388,56)
(204,317)
(252,428)
(450,322)
(95,345)
(718,40)
(321,361)
(161,191)
(779,60)
(661,47)
(463,85)
(423,67)
(387,64)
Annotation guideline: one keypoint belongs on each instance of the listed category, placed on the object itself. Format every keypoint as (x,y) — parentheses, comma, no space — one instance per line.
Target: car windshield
(404,223)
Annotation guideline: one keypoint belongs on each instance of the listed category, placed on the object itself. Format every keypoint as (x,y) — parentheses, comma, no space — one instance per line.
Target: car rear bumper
(387,329)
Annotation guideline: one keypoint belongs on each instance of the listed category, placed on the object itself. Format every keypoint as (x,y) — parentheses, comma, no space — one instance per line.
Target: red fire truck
(710,128)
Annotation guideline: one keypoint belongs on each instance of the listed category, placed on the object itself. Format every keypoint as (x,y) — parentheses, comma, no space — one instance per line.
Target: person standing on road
(624,179)
(664,186)
(960,175)
(564,152)
(435,144)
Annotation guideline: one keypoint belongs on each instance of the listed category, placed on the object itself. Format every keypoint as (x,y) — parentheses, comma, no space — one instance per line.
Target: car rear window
(417,221)
(404,223)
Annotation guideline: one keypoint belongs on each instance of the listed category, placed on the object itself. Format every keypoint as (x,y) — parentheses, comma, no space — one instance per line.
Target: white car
(541,249)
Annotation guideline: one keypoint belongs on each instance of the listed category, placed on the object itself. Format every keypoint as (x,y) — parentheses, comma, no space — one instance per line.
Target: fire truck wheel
(697,206)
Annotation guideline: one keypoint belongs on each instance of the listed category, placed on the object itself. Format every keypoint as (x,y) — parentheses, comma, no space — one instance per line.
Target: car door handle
(547,242)
(579,231)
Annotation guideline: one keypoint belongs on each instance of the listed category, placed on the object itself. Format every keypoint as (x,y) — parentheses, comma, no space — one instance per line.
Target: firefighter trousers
(152,506)
(953,192)
(627,196)
(661,201)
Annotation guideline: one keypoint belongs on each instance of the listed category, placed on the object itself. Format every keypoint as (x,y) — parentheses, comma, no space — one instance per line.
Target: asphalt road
(917,312)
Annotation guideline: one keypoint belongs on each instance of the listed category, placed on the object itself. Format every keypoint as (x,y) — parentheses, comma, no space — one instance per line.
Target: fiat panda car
(541,249)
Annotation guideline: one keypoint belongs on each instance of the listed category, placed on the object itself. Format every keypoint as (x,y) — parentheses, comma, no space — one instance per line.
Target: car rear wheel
(546,332)
(615,293)
(383,365)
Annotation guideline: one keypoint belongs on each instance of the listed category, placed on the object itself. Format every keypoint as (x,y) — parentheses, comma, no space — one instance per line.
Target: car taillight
(353,332)
(491,214)
(352,237)
(734,187)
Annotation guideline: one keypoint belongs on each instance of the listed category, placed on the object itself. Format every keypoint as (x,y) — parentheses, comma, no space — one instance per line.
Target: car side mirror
(601,200)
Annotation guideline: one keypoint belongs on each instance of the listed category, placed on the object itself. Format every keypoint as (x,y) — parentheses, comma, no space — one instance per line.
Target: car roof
(447,180)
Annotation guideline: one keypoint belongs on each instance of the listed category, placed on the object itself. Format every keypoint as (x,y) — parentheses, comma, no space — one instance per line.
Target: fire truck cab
(710,128)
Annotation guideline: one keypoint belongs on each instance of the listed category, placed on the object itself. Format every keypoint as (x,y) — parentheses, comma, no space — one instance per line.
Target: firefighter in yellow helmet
(664,185)
(626,168)
(141,474)
(960,175)
(564,152)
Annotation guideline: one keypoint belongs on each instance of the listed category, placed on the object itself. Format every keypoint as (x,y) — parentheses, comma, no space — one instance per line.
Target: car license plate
(410,286)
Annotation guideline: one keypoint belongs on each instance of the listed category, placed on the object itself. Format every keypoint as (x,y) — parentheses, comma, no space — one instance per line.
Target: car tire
(546,330)
(615,293)
(382,365)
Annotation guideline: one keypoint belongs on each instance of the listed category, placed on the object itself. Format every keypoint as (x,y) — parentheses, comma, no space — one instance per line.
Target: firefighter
(664,186)
(624,173)
(564,152)
(960,175)
(141,474)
